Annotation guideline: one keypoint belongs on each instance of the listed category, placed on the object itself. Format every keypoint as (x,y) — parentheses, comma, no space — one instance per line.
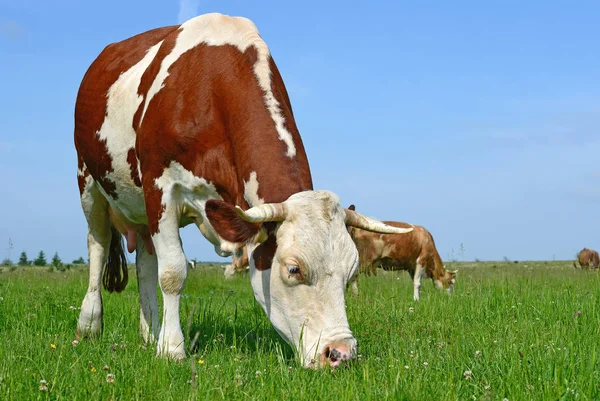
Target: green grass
(514,326)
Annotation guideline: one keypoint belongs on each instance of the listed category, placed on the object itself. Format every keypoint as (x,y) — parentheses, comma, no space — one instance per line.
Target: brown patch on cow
(90,107)
(227,223)
(264,253)
(133,167)
(219,128)
(399,251)
(171,282)
(588,258)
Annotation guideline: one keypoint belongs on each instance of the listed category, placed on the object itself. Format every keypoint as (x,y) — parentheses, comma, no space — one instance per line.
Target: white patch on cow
(81,172)
(263,74)
(383,248)
(118,133)
(181,187)
(217,30)
(251,191)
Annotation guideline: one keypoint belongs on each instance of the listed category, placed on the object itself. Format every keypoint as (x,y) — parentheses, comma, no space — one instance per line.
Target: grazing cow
(414,252)
(239,263)
(587,258)
(192,124)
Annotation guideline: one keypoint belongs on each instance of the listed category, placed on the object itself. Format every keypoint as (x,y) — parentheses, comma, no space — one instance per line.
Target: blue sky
(477,120)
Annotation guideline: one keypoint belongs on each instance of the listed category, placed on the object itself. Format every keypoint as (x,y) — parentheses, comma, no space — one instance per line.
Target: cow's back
(390,251)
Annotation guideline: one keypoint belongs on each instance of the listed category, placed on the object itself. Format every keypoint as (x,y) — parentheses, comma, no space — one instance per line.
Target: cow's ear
(349,228)
(227,222)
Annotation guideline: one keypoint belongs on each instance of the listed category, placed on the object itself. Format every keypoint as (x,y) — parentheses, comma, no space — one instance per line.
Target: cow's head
(301,258)
(447,281)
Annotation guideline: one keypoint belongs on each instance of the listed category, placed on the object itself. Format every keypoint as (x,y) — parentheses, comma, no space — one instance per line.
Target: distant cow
(239,263)
(192,124)
(414,252)
(587,258)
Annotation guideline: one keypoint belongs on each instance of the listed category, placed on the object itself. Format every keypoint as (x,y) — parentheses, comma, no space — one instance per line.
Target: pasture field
(526,331)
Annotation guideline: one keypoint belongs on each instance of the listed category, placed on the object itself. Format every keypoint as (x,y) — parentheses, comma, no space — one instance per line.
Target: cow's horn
(263,213)
(355,219)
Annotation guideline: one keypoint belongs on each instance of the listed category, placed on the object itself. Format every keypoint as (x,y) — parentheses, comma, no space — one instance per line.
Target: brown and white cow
(239,263)
(414,252)
(587,258)
(192,124)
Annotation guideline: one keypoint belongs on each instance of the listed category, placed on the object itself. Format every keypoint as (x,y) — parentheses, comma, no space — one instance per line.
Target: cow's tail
(115,274)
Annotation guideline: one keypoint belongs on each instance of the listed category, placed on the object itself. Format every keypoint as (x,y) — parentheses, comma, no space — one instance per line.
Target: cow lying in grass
(587,258)
(414,252)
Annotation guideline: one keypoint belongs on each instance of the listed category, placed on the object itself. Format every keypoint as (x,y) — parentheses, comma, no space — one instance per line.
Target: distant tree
(41,259)
(7,262)
(23,259)
(79,261)
(56,261)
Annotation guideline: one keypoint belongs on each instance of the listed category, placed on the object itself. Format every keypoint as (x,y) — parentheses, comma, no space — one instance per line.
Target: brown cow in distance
(414,252)
(587,258)
(239,263)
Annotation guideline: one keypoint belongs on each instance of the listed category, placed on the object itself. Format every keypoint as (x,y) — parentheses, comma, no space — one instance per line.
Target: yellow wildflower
(53,346)
(200,362)
(93,369)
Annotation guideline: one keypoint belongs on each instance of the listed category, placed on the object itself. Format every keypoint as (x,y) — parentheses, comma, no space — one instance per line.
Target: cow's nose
(338,354)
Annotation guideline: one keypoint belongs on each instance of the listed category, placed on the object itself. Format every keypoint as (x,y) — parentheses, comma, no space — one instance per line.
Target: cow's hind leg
(95,208)
(172,273)
(147,276)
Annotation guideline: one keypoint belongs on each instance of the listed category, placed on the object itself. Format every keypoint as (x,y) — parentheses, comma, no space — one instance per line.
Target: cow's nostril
(334,355)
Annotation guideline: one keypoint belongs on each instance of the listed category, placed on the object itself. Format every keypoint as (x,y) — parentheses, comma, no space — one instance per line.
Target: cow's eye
(293,269)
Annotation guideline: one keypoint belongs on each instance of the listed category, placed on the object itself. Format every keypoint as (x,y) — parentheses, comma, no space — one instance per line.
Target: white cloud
(187,10)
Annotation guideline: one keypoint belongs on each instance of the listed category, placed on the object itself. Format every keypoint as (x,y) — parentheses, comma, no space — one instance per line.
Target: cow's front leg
(419,271)
(172,272)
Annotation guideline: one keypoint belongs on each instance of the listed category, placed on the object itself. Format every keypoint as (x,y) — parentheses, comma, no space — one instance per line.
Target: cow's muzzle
(338,354)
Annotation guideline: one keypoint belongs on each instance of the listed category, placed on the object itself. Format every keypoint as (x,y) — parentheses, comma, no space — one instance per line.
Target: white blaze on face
(218,30)
(310,314)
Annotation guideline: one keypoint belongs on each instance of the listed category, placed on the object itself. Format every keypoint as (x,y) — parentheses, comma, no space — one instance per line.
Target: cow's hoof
(174,353)
(89,324)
